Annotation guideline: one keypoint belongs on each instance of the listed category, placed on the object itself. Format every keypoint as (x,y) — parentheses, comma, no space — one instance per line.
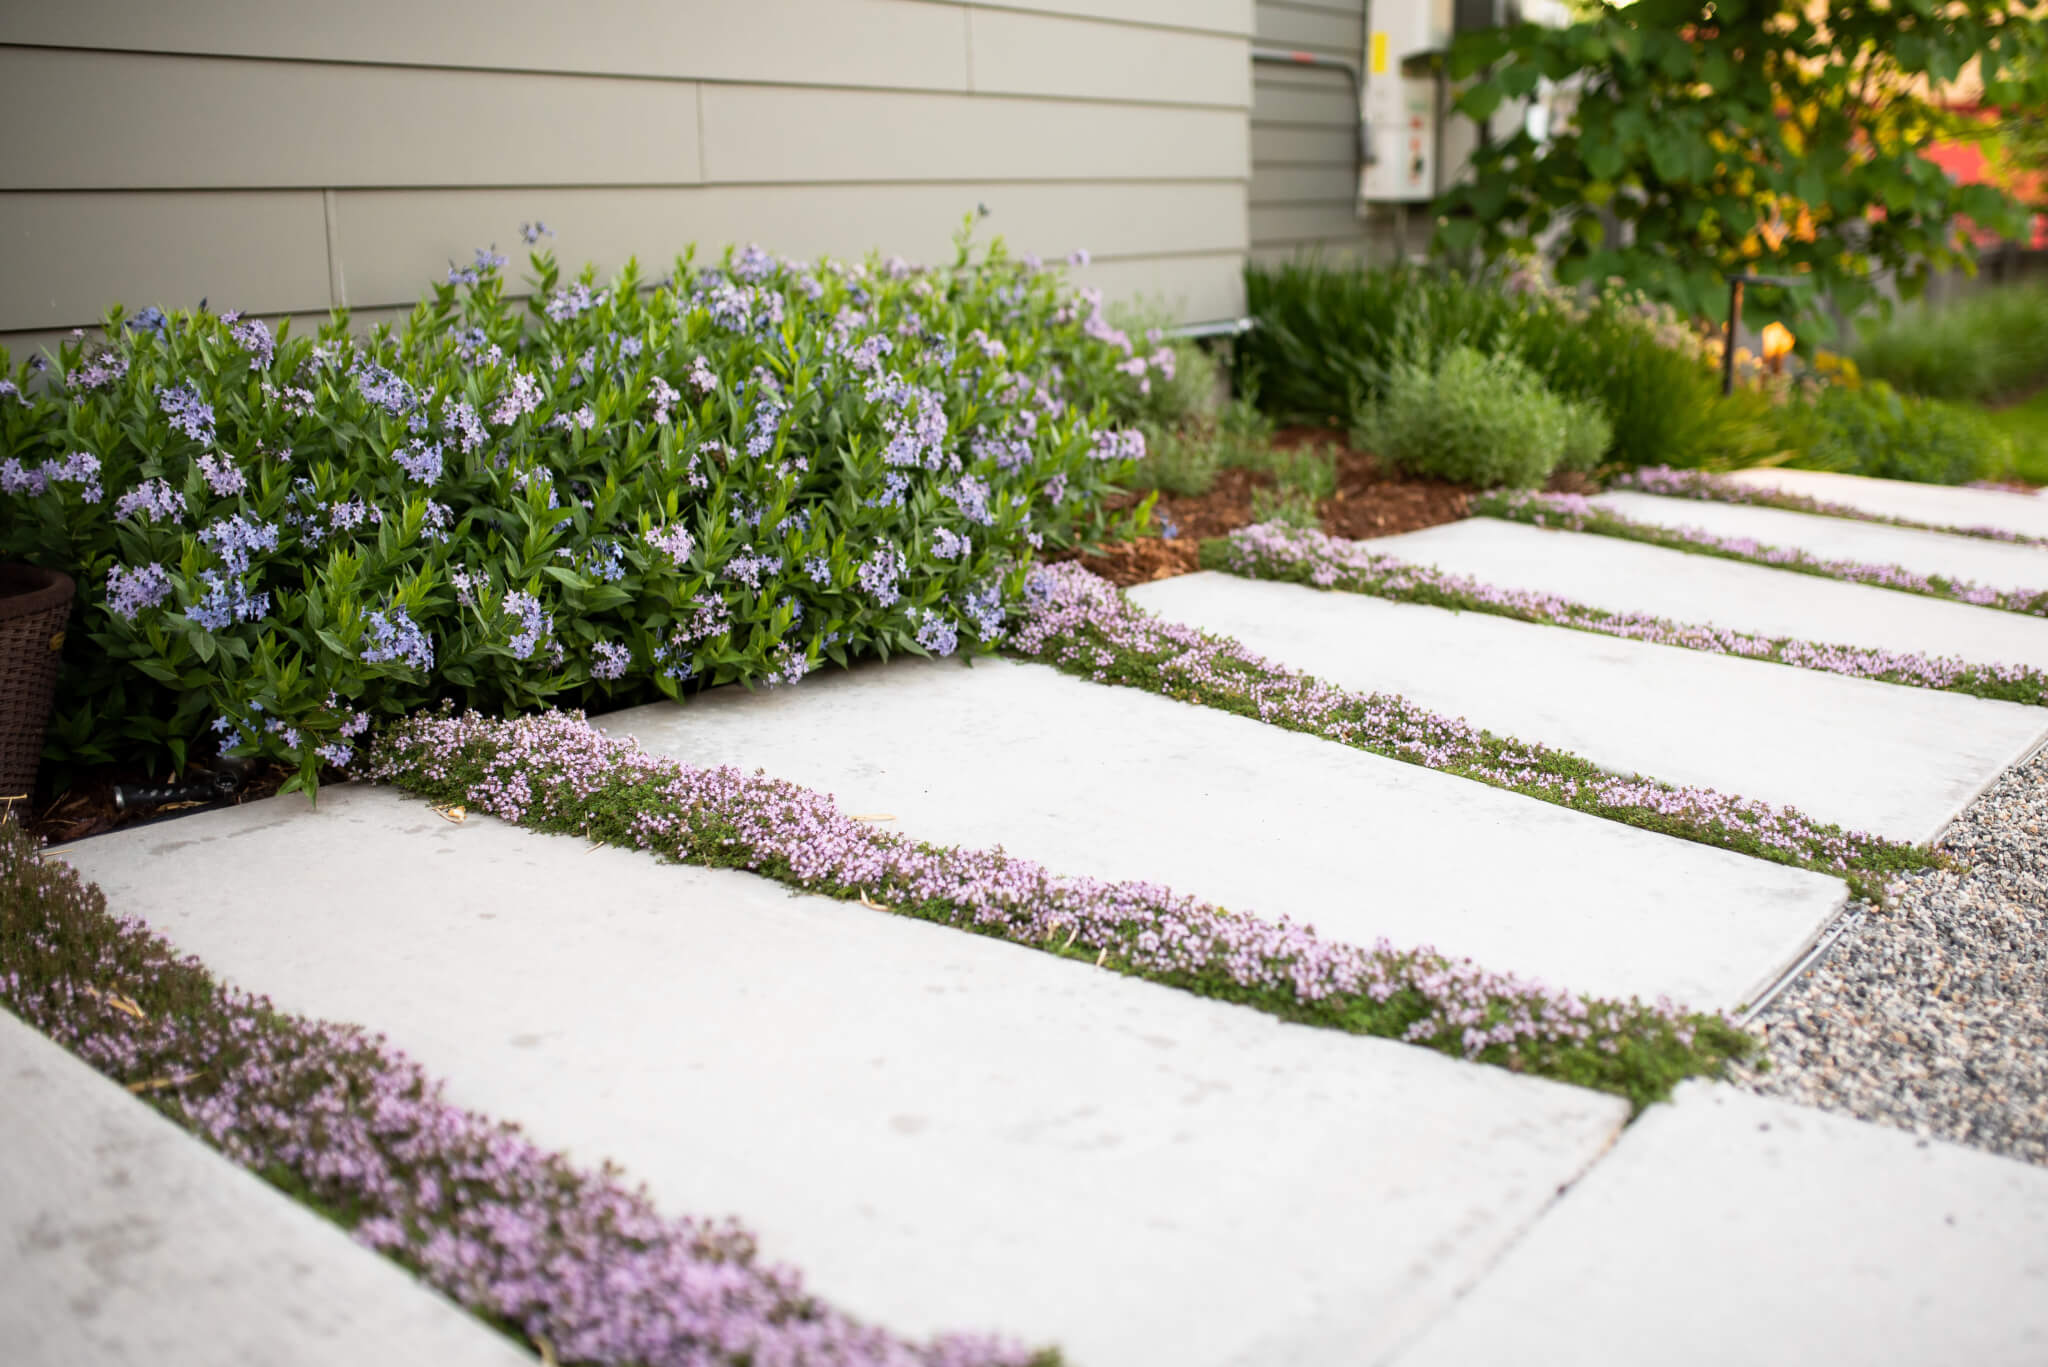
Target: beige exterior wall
(288,156)
(1304,136)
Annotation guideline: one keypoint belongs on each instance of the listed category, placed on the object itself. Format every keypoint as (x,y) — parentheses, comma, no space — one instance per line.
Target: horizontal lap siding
(1304,135)
(282,157)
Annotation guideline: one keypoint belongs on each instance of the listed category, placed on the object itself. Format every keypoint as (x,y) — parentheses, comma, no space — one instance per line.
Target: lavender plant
(555,772)
(545,1251)
(1085,626)
(1574,512)
(1709,488)
(734,473)
(1327,562)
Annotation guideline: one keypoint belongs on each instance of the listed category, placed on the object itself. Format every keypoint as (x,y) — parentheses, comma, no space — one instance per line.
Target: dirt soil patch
(1370,501)
(88,808)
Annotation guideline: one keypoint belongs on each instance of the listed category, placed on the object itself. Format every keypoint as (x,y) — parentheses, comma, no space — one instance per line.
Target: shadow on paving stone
(1931,1014)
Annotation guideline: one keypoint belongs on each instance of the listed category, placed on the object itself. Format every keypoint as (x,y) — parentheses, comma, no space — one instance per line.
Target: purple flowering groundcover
(1711,488)
(556,772)
(545,1251)
(1575,513)
(1273,551)
(1085,626)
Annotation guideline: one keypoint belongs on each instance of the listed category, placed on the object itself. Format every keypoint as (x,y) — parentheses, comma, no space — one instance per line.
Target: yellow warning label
(1379,54)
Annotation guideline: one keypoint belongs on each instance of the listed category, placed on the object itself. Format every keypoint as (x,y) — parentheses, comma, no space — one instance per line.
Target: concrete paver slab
(1729,1228)
(943,1131)
(1118,783)
(1898,762)
(1626,576)
(125,1241)
(1994,564)
(1939,504)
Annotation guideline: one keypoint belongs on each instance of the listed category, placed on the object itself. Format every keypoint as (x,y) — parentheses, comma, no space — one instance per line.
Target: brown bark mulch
(1370,501)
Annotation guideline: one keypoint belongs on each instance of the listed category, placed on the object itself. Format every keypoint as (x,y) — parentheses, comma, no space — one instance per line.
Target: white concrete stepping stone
(1941,504)
(1897,762)
(1993,564)
(1730,1229)
(942,1131)
(1118,783)
(1627,576)
(125,1241)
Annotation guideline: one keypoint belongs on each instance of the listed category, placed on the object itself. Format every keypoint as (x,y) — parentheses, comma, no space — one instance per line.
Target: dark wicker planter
(34,606)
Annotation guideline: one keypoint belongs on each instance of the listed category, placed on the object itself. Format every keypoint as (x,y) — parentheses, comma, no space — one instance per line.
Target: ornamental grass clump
(1289,555)
(556,772)
(534,1245)
(1576,513)
(1086,626)
(735,473)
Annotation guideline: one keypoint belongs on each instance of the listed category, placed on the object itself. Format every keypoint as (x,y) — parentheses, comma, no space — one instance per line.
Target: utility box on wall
(1403,40)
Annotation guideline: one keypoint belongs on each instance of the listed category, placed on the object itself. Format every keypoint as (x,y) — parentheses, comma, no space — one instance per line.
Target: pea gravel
(1931,1014)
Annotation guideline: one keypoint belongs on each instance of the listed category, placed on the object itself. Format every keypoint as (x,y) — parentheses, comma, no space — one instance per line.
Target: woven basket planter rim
(27,589)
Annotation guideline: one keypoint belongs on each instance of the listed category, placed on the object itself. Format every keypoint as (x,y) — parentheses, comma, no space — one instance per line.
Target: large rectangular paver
(1118,783)
(1993,564)
(1626,576)
(1937,504)
(1726,1228)
(126,1242)
(1898,762)
(940,1130)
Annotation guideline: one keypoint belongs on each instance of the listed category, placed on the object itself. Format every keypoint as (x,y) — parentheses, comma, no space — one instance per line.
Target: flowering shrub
(1329,562)
(1575,513)
(1083,624)
(735,473)
(523,1238)
(555,772)
(1709,488)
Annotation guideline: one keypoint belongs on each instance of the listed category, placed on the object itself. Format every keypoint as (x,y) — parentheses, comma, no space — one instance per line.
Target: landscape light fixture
(1735,284)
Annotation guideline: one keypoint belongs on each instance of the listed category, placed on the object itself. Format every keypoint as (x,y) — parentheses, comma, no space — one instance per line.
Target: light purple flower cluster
(1276,551)
(395,637)
(672,541)
(1712,488)
(253,336)
(153,500)
(420,459)
(520,1236)
(551,770)
(188,411)
(1573,512)
(533,623)
(81,468)
(237,539)
(226,602)
(1085,625)
(129,591)
(881,573)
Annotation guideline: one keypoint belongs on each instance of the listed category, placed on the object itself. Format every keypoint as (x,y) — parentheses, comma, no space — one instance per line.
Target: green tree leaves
(1744,135)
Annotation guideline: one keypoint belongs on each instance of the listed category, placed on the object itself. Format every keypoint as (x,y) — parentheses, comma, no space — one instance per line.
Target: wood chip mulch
(1370,501)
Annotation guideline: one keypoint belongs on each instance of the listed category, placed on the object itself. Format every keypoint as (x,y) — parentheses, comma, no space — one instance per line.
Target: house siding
(285,158)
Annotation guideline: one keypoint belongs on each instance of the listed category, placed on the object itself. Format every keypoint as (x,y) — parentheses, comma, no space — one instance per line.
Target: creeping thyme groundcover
(1711,488)
(548,1252)
(556,772)
(736,472)
(1575,513)
(1293,555)
(1086,626)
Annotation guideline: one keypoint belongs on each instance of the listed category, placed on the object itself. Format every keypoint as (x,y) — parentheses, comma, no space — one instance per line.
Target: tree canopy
(1768,136)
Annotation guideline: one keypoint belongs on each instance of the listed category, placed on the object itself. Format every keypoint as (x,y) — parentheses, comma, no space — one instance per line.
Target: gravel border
(1931,1014)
